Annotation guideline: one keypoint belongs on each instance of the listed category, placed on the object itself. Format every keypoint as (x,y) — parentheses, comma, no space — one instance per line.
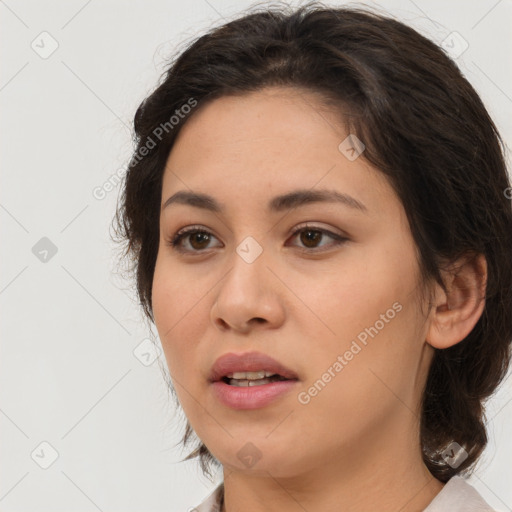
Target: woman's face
(342,315)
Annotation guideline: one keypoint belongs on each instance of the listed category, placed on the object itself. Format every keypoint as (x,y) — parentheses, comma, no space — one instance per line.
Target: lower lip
(251,397)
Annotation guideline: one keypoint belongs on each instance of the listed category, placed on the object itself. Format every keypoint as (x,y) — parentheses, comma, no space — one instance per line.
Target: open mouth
(250,381)
(246,379)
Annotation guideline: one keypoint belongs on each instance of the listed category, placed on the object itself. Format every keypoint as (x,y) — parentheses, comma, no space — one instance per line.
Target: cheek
(175,294)
(372,382)
(374,325)
(381,311)
(176,310)
(176,306)
(379,277)
(354,292)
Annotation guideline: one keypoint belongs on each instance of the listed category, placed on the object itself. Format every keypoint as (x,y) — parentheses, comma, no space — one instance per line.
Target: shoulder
(456,496)
(459,496)
(212,502)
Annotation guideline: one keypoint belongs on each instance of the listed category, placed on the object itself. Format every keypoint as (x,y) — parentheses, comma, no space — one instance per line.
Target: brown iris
(308,239)
(201,238)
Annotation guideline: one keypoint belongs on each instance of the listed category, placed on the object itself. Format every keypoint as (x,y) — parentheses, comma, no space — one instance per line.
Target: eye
(311,235)
(195,235)
(198,238)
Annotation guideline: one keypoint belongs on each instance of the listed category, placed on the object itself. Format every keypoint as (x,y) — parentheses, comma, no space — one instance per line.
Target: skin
(355,445)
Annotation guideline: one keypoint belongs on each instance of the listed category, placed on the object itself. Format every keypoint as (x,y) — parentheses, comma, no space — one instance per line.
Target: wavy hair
(424,127)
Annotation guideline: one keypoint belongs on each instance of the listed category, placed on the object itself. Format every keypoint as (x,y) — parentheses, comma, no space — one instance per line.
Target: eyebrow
(277,204)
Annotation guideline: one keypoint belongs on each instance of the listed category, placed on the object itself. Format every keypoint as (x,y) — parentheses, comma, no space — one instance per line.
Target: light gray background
(69,375)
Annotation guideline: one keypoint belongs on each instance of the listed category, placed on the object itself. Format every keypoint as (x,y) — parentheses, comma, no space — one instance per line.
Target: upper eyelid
(200,229)
(186,231)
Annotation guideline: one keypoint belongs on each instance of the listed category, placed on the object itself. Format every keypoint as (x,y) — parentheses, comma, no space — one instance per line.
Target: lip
(251,397)
(248,362)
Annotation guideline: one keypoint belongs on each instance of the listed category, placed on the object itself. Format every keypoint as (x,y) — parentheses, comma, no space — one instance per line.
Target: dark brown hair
(424,127)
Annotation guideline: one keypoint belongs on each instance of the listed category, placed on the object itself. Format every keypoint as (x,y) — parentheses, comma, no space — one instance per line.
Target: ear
(457,310)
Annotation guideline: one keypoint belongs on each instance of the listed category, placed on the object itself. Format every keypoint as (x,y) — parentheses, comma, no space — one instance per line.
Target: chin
(257,458)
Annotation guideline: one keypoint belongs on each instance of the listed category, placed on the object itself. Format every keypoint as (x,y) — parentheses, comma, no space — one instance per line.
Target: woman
(316,213)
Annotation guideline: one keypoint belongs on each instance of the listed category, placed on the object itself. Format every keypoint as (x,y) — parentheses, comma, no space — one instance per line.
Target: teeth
(249,375)
(247,383)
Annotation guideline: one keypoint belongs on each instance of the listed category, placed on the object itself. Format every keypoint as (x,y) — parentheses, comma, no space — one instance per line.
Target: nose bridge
(247,290)
(249,250)
(248,265)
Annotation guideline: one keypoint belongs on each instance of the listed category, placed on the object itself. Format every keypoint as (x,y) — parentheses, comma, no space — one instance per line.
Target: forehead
(265,143)
(271,119)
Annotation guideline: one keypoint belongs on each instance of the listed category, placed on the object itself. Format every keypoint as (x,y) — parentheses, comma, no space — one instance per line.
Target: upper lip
(248,362)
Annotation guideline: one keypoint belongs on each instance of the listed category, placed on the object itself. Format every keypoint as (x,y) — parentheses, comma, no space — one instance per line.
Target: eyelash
(176,239)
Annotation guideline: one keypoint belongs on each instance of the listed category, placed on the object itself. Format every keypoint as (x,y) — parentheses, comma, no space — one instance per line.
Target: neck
(385,476)
(270,495)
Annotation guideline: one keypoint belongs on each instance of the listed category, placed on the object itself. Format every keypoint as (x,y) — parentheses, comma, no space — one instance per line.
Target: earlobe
(457,310)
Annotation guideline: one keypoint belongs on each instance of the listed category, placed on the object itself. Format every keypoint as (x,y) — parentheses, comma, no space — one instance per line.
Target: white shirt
(456,496)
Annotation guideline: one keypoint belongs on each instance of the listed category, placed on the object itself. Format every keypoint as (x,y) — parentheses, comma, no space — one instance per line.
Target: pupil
(199,235)
(310,239)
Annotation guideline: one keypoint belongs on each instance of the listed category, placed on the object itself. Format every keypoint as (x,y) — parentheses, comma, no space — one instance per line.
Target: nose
(248,296)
